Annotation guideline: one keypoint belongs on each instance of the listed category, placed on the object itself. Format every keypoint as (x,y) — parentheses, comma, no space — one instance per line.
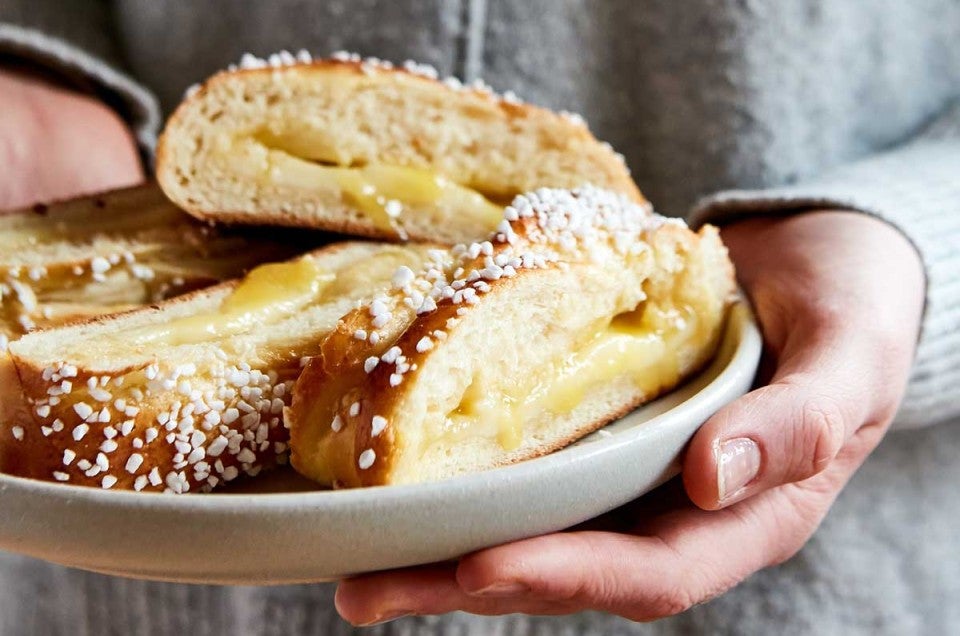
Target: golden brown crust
(39,456)
(332,384)
(342,226)
(512,109)
(12,407)
(38,451)
(597,161)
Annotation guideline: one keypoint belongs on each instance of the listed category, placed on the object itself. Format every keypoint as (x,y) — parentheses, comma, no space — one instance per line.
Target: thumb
(821,393)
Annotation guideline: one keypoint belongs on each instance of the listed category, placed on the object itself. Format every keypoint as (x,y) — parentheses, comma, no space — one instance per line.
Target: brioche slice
(364,148)
(188,394)
(579,308)
(111,252)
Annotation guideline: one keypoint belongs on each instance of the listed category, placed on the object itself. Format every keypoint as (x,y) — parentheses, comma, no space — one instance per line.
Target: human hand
(56,143)
(838,296)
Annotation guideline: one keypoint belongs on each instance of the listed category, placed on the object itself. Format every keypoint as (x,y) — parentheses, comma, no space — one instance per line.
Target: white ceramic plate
(284,533)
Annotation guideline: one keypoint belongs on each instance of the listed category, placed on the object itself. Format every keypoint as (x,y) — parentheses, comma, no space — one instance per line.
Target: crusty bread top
(350,112)
(88,384)
(358,386)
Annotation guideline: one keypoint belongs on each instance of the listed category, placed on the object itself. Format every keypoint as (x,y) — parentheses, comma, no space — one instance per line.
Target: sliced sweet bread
(365,148)
(188,394)
(581,306)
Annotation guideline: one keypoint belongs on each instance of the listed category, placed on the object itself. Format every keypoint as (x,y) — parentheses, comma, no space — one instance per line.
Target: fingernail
(503,588)
(738,463)
(386,617)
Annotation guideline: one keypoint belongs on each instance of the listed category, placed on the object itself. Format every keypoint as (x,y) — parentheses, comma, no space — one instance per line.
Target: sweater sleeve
(916,188)
(73,39)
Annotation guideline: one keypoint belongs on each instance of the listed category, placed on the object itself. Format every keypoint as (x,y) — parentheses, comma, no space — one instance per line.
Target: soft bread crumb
(472,137)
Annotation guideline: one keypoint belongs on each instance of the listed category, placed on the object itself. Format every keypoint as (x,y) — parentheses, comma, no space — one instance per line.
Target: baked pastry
(187,394)
(358,146)
(111,252)
(581,306)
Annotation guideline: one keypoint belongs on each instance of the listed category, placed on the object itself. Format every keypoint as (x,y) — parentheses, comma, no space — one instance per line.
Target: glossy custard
(271,293)
(380,192)
(641,345)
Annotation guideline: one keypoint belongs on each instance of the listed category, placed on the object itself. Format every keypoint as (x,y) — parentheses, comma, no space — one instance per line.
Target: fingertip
(471,576)
(782,433)
(347,602)
(738,466)
(724,458)
(700,466)
(366,601)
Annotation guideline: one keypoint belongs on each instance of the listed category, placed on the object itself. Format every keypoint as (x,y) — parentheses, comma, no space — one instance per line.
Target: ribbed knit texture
(700,96)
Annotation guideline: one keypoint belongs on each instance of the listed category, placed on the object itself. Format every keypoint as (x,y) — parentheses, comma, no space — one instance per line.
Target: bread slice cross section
(581,306)
(361,147)
(186,395)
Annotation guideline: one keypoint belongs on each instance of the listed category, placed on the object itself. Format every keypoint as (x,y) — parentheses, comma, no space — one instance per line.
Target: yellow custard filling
(271,293)
(268,293)
(642,345)
(380,192)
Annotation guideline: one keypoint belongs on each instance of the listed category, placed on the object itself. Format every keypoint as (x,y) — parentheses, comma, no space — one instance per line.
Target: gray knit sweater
(794,103)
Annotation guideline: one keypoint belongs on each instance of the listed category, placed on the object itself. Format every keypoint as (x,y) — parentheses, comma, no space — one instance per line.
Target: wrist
(56,142)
